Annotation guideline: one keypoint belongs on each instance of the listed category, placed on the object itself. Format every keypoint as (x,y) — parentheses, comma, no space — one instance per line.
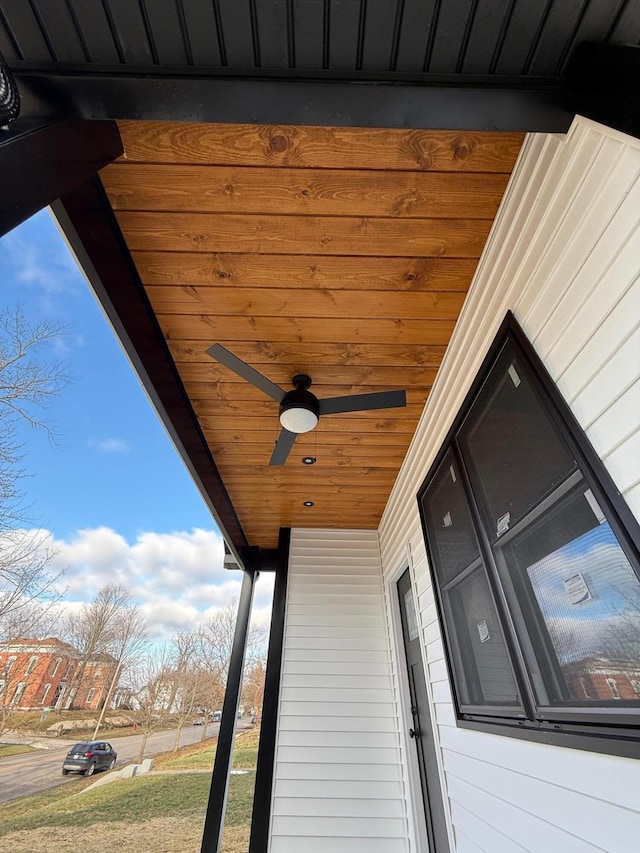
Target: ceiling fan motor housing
(299,409)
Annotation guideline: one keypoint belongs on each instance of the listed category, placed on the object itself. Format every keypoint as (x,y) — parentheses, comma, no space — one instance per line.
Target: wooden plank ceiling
(345,254)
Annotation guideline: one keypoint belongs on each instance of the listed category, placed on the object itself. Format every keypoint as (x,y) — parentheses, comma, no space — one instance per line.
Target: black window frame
(608,729)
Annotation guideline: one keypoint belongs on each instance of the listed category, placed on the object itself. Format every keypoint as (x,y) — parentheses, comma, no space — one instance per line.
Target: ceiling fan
(300,410)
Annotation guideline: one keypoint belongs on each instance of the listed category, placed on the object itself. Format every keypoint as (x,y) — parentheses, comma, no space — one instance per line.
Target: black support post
(39,162)
(214,821)
(261,815)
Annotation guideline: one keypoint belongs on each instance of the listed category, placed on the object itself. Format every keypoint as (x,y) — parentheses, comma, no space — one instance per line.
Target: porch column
(214,821)
(261,815)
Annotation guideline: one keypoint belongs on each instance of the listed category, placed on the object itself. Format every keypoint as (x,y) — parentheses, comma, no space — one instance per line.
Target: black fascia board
(455,102)
(39,162)
(90,226)
(602,84)
(260,559)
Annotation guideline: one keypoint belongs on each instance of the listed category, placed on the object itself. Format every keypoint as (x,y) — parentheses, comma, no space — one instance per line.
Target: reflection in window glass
(589,599)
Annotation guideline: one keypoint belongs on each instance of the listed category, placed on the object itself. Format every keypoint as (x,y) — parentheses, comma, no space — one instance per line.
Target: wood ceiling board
(343,255)
(212,395)
(330,458)
(306,271)
(215,404)
(306,443)
(251,408)
(208,393)
(327,354)
(292,501)
(318,303)
(211,329)
(319,476)
(331,235)
(293,192)
(319,147)
(373,422)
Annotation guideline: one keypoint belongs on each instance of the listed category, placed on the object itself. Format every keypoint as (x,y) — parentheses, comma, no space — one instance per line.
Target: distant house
(37,674)
(599,678)
(125,698)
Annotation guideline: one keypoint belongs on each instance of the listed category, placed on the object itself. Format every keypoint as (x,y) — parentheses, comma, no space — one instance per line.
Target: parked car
(216,716)
(88,756)
(199,721)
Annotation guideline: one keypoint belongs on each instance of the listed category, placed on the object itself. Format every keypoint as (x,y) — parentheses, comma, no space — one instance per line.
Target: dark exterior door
(420,723)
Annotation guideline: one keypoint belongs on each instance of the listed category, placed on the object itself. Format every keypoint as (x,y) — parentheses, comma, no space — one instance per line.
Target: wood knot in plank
(463,147)
(278,144)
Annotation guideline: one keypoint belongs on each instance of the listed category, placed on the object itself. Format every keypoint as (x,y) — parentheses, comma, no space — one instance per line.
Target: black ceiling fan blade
(243,370)
(362,402)
(283,447)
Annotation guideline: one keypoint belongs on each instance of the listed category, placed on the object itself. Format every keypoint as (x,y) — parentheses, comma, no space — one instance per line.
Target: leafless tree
(29,379)
(185,681)
(154,671)
(216,641)
(111,624)
(128,637)
(253,685)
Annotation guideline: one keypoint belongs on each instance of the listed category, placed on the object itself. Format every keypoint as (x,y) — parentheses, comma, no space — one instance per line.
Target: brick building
(37,674)
(599,678)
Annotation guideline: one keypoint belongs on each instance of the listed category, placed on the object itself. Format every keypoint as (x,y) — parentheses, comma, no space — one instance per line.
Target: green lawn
(152,814)
(197,757)
(14,749)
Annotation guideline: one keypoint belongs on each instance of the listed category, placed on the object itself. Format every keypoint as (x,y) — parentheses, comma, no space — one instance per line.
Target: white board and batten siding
(338,782)
(564,256)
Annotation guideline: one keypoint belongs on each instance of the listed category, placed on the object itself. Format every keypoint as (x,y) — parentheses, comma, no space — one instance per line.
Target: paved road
(21,775)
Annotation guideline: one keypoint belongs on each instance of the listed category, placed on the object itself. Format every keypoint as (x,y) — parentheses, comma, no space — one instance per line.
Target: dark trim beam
(602,80)
(262,559)
(214,820)
(39,162)
(454,103)
(89,224)
(259,840)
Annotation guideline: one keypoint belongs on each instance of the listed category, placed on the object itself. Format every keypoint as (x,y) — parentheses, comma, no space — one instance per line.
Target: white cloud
(110,445)
(178,578)
(49,267)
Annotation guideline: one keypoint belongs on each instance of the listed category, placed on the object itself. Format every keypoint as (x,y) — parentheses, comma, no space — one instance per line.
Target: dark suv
(89,756)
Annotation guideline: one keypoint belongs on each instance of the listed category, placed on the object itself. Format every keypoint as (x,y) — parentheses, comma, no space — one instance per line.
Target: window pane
(485,675)
(511,448)
(451,535)
(585,597)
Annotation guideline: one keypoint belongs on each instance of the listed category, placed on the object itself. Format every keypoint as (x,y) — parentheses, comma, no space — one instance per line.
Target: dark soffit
(455,64)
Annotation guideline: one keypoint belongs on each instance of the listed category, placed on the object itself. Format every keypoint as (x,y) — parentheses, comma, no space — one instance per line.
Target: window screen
(535,569)
(513,450)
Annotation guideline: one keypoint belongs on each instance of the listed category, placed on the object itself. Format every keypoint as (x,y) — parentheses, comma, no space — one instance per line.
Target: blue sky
(112,491)
(113,464)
